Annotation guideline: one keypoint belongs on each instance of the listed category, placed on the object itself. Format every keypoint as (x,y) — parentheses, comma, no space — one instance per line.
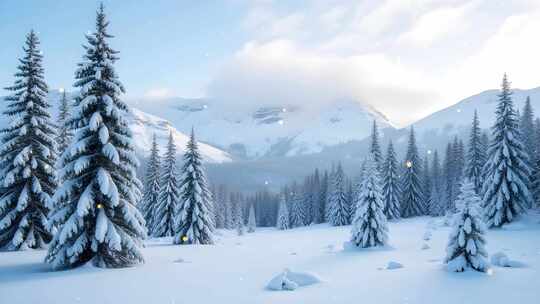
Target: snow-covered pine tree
(252,222)
(338,207)
(448,177)
(476,156)
(220,198)
(375,148)
(426,185)
(317,208)
(526,126)
(164,213)
(323,197)
(505,189)
(95,207)
(238,217)
(329,190)
(229,212)
(296,212)
(151,186)
(535,172)
(466,245)
(391,188)
(436,208)
(282,222)
(195,219)
(413,196)
(369,225)
(65,134)
(28,156)
(307,200)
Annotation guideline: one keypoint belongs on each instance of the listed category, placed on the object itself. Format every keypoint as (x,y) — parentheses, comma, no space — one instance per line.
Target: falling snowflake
(280,122)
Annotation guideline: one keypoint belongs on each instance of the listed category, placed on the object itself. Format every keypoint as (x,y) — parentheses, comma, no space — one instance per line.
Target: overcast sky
(405,57)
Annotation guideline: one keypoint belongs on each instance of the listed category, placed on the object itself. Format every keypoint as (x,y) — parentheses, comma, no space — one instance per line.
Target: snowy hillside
(143,126)
(454,118)
(268,131)
(237,269)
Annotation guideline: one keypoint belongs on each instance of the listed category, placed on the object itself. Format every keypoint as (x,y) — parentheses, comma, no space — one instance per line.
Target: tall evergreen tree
(163,217)
(152,186)
(338,207)
(27,156)
(413,195)
(296,212)
(375,148)
(506,191)
(369,223)
(195,221)
(466,245)
(252,222)
(426,185)
(323,196)
(437,201)
(316,209)
(391,188)
(535,172)
(476,156)
(65,134)
(448,177)
(95,207)
(238,216)
(526,126)
(283,214)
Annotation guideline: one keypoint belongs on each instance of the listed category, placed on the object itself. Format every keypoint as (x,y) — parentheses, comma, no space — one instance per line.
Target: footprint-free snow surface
(238,268)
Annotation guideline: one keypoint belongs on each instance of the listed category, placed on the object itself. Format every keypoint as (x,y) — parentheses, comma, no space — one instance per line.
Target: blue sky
(407,58)
(163,43)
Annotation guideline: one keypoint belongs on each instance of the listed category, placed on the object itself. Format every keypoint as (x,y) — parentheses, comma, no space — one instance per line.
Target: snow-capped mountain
(274,131)
(457,118)
(143,126)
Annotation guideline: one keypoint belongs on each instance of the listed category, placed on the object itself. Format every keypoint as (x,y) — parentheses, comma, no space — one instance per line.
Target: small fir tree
(283,214)
(195,221)
(164,214)
(412,202)
(252,223)
(338,207)
(391,188)
(152,186)
(466,245)
(369,224)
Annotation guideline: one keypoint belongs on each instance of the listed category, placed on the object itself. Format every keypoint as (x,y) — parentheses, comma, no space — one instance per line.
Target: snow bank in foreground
(501,259)
(289,280)
(393,265)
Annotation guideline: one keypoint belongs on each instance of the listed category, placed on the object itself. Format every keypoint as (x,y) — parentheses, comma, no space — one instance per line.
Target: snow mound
(501,259)
(289,280)
(393,265)
(425,246)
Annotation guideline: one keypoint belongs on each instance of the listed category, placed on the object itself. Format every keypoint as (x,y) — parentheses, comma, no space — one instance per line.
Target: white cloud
(438,23)
(406,57)
(158,93)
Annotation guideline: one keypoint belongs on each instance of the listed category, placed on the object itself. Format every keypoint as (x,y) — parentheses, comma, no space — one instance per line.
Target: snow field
(238,268)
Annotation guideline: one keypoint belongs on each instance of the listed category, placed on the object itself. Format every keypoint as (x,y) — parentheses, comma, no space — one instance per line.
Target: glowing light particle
(408,164)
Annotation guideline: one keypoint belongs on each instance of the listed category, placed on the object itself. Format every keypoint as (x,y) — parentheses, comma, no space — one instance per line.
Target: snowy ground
(238,269)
